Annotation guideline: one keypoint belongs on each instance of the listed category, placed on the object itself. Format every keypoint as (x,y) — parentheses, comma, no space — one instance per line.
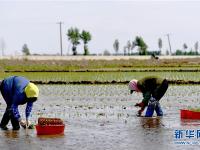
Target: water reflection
(189,122)
(151,122)
(50,136)
(11,134)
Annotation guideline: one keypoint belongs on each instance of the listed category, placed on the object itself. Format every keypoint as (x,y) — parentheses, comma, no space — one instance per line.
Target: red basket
(188,114)
(50,129)
(49,121)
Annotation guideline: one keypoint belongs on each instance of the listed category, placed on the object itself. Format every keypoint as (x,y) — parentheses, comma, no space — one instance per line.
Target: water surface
(104,117)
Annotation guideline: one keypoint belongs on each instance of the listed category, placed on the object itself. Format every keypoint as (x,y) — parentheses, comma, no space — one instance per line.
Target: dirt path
(94,57)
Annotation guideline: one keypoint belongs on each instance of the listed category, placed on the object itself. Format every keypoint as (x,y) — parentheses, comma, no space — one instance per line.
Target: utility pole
(60,25)
(169,44)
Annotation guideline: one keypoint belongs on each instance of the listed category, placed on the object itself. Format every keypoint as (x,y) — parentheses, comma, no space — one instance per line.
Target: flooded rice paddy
(103,117)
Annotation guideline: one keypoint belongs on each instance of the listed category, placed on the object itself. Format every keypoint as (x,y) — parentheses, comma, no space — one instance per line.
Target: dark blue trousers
(154,104)
(151,107)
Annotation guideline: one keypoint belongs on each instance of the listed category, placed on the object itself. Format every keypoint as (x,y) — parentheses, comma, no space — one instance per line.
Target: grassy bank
(23,65)
(177,71)
(103,77)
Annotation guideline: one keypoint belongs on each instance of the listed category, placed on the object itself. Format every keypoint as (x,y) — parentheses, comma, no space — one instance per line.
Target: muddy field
(103,117)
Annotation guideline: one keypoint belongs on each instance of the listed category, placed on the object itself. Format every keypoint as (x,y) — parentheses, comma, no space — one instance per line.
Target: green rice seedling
(196,109)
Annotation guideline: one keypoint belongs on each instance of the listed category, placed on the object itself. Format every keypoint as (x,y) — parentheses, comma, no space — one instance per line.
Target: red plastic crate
(50,129)
(189,114)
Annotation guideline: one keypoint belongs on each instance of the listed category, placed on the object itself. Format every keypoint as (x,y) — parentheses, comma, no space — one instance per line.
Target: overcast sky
(34,22)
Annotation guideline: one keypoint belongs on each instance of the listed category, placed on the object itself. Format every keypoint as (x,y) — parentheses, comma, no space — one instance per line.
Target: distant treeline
(107,53)
(180,52)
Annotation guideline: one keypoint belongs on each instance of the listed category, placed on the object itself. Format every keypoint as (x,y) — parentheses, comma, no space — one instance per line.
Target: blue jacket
(14,95)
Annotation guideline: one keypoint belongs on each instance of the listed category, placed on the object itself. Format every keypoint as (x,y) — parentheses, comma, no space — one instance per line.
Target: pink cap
(133,85)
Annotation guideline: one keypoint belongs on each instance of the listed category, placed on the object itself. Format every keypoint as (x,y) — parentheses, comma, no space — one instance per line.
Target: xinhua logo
(187,137)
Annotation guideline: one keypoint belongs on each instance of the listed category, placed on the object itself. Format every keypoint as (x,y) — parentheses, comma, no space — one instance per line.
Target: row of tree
(190,52)
(128,48)
(142,47)
(74,37)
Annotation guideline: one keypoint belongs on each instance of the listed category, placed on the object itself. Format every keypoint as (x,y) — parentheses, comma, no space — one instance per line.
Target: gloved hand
(140,111)
(140,105)
(22,123)
(25,124)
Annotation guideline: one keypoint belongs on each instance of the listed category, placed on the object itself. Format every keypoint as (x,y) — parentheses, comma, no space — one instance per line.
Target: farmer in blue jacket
(17,91)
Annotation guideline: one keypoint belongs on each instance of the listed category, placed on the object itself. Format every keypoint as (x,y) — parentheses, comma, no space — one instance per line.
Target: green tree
(167,52)
(25,50)
(160,44)
(196,47)
(74,37)
(86,37)
(142,47)
(178,52)
(133,46)
(116,46)
(185,46)
(128,45)
(106,53)
(125,47)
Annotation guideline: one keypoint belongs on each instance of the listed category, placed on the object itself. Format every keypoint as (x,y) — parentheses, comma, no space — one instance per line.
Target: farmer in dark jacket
(17,91)
(153,89)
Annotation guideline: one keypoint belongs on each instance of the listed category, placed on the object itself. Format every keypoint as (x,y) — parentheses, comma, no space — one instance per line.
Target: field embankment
(97,71)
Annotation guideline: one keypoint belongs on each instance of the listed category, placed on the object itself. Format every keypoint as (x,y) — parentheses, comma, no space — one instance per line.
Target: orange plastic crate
(50,129)
(189,114)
